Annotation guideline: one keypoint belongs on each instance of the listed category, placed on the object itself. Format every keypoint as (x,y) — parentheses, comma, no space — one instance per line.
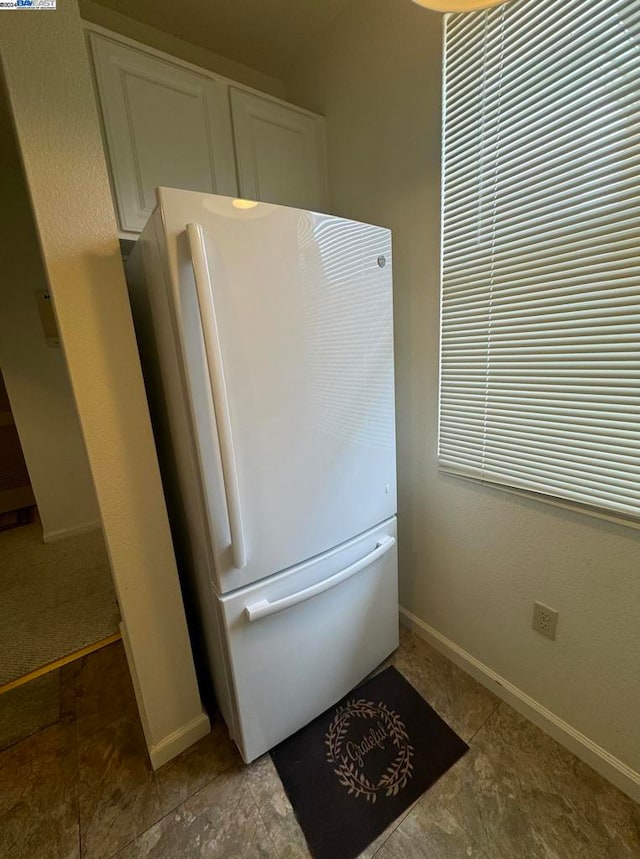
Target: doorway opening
(57,598)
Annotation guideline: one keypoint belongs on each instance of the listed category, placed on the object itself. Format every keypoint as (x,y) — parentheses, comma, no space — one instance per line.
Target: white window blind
(540,350)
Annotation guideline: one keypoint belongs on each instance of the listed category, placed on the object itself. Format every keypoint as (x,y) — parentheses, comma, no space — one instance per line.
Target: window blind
(540,316)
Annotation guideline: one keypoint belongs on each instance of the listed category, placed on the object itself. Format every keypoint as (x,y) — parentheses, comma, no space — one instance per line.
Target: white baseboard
(170,746)
(617,772)
(54,536)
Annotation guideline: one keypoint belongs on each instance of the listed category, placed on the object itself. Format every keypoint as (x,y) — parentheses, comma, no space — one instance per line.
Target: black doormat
(357,767)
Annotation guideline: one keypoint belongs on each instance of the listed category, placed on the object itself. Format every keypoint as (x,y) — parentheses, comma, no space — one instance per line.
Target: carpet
(357,767)
(56,598)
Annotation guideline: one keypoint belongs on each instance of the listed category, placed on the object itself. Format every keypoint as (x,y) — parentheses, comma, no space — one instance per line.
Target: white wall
(162,40)
(35,374)
(473,559)
(50,92)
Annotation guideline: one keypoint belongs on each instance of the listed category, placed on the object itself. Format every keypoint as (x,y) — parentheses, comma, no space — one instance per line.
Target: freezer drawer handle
(263,608)
(215,367)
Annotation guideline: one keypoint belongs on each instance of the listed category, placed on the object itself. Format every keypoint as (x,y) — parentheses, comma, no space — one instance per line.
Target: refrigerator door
(285,322)
(301,640)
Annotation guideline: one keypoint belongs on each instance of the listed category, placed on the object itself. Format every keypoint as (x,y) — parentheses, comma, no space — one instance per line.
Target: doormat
(357,767)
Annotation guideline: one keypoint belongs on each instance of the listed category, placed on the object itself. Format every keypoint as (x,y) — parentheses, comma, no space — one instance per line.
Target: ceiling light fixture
(457,5)
(245,204)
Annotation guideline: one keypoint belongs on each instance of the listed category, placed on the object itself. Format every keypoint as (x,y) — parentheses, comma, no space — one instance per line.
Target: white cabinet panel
(279,151)
(164,125)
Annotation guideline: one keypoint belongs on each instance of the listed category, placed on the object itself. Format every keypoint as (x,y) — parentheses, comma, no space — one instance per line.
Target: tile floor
(83,787)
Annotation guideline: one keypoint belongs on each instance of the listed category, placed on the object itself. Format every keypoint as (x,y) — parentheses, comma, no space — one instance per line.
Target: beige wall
(473,559)
(36,374)
(163,41)
(49,87)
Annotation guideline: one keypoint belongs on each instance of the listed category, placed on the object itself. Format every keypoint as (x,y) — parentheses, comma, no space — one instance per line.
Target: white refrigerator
(266,338)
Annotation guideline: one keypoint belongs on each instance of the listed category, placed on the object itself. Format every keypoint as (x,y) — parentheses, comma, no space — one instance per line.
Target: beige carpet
(55,598)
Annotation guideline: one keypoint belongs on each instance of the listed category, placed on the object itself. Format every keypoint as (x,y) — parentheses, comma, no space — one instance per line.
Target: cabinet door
(279,152)
(164,125)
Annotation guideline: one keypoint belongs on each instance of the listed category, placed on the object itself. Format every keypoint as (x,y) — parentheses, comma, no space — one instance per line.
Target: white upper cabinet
(279,152)
(168,123)
(164,125)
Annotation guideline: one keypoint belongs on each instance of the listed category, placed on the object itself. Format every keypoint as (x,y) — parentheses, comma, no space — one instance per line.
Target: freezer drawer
(302,639)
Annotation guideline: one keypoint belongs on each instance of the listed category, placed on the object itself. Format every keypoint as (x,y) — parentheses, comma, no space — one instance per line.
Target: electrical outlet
(545,620)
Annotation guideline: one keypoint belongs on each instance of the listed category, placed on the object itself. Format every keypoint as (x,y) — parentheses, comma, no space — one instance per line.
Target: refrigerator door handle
(263,608)
(215,368)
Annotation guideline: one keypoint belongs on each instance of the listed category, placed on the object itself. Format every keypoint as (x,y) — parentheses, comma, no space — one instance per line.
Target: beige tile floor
(83,786)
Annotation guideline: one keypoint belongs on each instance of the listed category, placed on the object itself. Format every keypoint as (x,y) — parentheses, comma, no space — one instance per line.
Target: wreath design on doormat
(395,777)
